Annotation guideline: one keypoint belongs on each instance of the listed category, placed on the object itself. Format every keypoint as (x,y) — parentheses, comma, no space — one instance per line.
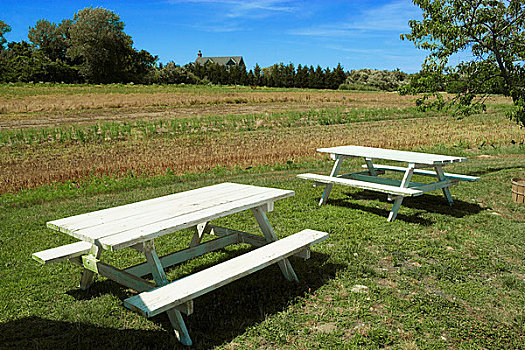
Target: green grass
(438,277)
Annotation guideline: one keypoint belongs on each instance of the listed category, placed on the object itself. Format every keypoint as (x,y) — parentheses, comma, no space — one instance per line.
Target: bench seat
(457,177)
(158,300)
(64,252)
(393,190)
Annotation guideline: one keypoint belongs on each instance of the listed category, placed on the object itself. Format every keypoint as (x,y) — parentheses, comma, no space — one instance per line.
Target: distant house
(227,61)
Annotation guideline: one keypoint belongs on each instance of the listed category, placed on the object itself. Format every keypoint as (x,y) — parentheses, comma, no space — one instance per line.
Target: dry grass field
(38,107)
(126,130)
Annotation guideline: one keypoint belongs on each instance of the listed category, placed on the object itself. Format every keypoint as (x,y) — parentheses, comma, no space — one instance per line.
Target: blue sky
(356,33)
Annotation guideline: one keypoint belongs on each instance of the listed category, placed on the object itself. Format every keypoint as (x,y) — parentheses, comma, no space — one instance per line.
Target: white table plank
(147,232)
(104,224)
(124,211)
(119,227)
(390,154)
(171,210)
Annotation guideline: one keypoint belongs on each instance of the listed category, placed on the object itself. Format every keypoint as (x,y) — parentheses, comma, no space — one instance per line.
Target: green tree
(493,31)
(23,64)
(250,78)
(288,75)
(257,75)
(4,28)
(338,77)
(97,39)
(50,38)
(173,74)
(139,66)
(318,78)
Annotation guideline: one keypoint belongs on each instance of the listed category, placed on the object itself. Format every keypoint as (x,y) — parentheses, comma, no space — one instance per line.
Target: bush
(379,79)
(173,74)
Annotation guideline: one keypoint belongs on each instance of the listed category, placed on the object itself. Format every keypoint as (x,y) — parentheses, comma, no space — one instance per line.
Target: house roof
(223,61)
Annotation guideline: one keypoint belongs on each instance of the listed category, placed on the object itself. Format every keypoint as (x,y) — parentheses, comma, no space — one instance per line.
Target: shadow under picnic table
(35,332)
(219,316)
(433,203)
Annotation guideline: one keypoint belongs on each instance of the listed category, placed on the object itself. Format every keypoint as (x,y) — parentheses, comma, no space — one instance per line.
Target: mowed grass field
(438,277)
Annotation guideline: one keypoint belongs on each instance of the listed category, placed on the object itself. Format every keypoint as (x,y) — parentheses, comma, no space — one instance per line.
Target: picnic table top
(126,225)
(390,154)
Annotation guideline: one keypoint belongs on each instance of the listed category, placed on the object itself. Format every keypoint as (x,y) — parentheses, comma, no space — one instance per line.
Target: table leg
(328,187)
(87,275)
(177,322)
(446,190)
(269,234)
(200,230)
(405,183)
(370,167)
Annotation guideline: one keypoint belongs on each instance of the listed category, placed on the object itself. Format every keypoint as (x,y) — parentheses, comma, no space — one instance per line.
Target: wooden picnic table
(396,189)
(136,226)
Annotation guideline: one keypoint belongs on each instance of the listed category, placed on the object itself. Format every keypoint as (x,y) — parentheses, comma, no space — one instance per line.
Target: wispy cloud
(390,17)
(247,8)
(354,50)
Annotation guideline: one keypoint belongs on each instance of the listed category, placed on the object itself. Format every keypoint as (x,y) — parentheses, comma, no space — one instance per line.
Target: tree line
(93,47)
(278,75)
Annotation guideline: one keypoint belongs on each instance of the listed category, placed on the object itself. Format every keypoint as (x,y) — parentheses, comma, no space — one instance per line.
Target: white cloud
(390,17)
(393,16)
(247,8)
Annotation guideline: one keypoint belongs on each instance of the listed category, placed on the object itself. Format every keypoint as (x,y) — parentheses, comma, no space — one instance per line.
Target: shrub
(380,79)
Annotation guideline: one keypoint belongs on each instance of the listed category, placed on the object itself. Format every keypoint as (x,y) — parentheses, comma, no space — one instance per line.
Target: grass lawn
(438,277)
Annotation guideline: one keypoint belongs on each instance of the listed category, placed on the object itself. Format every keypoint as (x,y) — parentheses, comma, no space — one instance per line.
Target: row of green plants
(110,131)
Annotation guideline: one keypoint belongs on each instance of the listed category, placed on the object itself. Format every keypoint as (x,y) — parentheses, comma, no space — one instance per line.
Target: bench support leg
(395,208)
(404,183)
(328,187)
(446,190)
(181,332)
(87,275)
(269,234)
(177,322)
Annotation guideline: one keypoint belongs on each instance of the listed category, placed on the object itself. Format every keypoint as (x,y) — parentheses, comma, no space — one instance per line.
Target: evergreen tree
(312,83)
(257,75)
(288,75)
(338,76)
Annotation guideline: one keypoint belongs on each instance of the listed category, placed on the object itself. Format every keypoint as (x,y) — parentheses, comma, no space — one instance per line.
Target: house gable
(227,61)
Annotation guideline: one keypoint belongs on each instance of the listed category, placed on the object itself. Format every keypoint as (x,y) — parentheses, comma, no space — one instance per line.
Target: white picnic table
(396,189)
(136,226)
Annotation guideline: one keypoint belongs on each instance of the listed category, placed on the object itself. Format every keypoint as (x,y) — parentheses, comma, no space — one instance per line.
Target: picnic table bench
(396,189)
(136,226)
